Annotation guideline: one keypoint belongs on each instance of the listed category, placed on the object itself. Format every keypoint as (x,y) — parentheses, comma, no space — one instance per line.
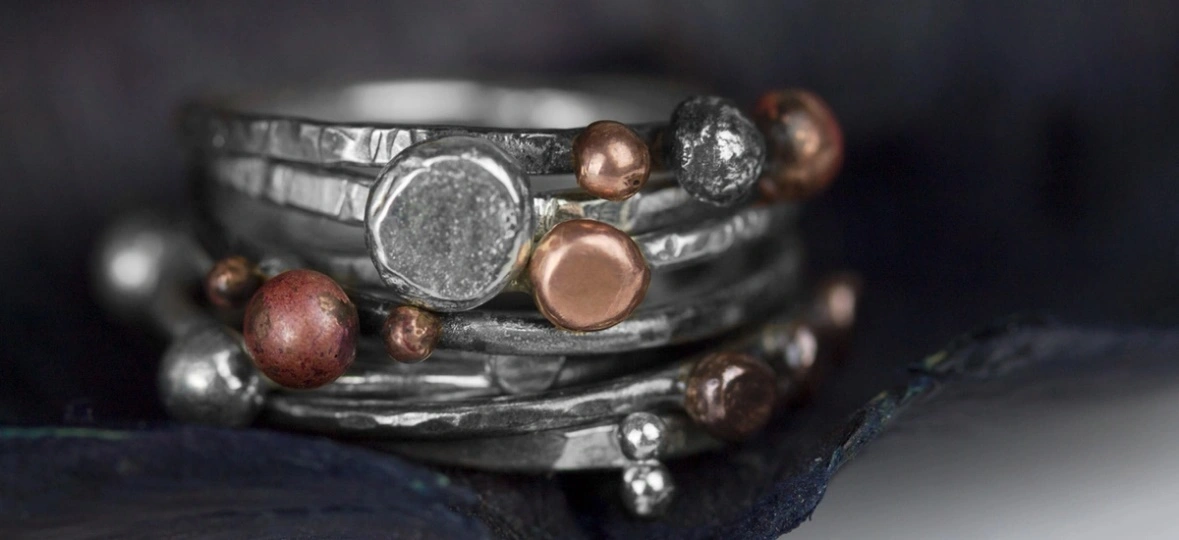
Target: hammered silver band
(368,125)
(264,229)
(566,449)
(385,418)
(341,195)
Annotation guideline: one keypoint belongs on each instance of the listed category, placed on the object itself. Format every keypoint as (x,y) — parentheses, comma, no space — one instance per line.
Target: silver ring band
(341,195)
(566,449)
(390,418)
(451,375)
(760,293)
(373,123)
(256,225)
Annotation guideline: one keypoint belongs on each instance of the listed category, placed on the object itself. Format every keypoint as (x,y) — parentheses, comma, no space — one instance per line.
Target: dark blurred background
(1002,156)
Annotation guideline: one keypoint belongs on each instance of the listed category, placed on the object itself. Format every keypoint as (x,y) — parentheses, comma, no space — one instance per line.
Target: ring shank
(574,103)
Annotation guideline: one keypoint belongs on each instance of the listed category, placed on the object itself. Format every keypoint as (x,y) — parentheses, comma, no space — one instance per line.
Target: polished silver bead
(715,150)
(522,375)
(641,436)
(647,489)
(276,264)
(801,352)
(449,223)
(135,258)
(206,377)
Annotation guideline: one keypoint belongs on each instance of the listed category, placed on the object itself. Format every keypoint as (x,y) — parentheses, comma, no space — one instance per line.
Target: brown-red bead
(804,144)
(410,334)
(731,395)
(231,282)
(301,329)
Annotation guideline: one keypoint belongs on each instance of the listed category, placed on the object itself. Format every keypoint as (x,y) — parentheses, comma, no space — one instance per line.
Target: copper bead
(833,314)
(301,329)
(231,282)
(587,275)
(611,161)
(835,302)
(731,395)
(804,141)
(410,333)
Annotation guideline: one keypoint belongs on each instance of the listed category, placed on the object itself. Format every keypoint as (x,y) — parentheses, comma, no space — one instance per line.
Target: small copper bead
(410,334)
(611,161)
(587,275)
(835,302)
(231,282)
(731,395)
(833,315)
(301,329)
(805,144)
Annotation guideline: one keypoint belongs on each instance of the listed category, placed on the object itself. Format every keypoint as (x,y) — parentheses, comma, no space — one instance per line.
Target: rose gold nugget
(410,334)
(804,141)
(587,275)
(231,282)
(611,161)
(301,329)
(731,395)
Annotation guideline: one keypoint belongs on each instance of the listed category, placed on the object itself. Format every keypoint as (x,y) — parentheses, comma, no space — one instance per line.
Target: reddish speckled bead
(410,333)
(731,395)
(231,282)
(301,329)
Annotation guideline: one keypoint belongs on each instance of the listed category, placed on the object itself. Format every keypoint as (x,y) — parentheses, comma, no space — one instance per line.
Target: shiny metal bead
(135,257)
(301,329)
(587,275)
(731,395)
(611,161)
(410,333)
(522,375)
(206,377)
(231,282)
(449,223)
(715,150)
(802,350)
(641,436)
(647,489)
(836,301)
(805,144)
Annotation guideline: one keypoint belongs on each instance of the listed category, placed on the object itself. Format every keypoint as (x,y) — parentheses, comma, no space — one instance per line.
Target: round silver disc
(449,222)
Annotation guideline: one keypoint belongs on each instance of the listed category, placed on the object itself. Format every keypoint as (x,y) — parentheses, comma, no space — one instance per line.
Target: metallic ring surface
(449,223)
(340,194)
(761,292)
(369,124)
(568,449)
(257,227)
(380,418)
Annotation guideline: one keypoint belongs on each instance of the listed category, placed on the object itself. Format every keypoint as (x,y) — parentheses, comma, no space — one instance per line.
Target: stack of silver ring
(346,235)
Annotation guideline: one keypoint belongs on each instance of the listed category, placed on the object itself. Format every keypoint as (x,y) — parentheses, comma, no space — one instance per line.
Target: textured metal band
(764,290)
(764,287)
(567,449)
(382,418)
(451,375)
(281,127)
(341,195)
(340,252)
